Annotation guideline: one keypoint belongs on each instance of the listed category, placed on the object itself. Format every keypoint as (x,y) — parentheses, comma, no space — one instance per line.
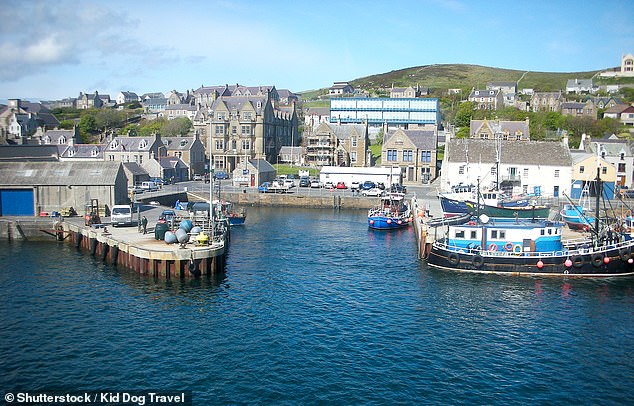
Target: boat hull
(388,222)
(515,212)
(237,220)
(609,262)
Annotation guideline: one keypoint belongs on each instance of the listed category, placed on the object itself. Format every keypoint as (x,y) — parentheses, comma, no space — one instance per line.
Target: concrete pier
(124,247)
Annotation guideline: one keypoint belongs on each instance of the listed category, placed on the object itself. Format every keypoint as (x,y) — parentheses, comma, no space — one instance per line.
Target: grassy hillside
(462,76)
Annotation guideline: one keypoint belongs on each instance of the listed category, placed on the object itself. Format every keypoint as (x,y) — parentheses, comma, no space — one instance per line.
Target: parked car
(398,188)
(329,185)
(341,185)
(158,181)
(304,181)
(375,191)
(355,185)
(315,183)
(221,175)
(367,185)
(197,176)
(168,215)
(289,183)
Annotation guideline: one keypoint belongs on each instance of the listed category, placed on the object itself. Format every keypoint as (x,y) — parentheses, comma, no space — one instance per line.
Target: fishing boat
(576,218)
(392,213)
(532,247)
(235,217)
(524,212)
(456,203)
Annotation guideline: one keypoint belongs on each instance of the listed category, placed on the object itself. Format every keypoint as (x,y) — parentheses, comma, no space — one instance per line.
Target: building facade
(503,129)
(413,151)
(403,112)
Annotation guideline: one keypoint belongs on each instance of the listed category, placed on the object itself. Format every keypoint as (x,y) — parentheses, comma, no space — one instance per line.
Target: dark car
(367,185)
(168,215)
(398,188)
(221,175)
(304,181)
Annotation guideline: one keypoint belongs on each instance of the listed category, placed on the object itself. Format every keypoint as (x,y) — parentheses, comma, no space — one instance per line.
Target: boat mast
(598,190)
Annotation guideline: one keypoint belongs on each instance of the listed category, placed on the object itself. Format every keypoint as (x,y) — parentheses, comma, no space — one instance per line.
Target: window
(353,157)
(621,167)
(220,130)
(582,169)
(461,170)
(604,170)
(220,145)
(526,172)
(425,156)
(353,142)
(459,233)
(234,130)
(407,155)
(233,144)
(493,170)
(246,130)
(246,144)
(474,234)
(494,234)
(556,173)
(391,155)
(247,115)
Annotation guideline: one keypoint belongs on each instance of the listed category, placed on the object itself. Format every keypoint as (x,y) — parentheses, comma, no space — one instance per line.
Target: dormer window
(46,139)
(62,140)
(71,152)
(114,144)
(183,143)
(94,152)
(143,144)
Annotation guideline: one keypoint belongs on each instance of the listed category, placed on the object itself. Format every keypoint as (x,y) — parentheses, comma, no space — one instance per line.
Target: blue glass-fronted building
(393,111)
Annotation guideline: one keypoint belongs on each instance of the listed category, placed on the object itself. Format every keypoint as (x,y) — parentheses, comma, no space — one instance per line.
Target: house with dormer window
(134,149)
(502,129)
(615,152)
(189,149)
(492,99)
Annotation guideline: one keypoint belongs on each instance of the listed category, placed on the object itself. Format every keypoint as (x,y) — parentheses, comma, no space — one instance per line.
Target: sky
(56,49)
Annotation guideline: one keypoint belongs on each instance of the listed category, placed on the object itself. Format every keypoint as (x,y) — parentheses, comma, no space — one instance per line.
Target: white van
(121,214)
(149,186)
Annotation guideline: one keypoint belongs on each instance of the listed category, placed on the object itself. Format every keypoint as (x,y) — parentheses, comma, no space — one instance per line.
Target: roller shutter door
(16,202)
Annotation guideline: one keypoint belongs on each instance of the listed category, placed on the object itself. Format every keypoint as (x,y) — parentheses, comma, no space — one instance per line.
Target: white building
(519,167)
(347,175)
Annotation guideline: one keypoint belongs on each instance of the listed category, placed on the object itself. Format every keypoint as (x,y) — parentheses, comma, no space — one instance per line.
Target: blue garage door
(16,202)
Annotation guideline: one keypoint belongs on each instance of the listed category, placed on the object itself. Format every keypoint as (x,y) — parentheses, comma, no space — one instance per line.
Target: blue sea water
(313,308)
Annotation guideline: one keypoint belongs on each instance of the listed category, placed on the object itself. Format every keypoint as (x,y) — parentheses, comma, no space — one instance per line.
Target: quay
(125,247)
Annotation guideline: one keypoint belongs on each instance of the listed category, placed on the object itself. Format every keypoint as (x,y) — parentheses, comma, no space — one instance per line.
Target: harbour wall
(325,201)
(27,228)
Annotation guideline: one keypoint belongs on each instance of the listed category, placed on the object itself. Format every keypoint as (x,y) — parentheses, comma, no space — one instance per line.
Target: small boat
(525,212)
(530,247)
(576,218)
(456,202)
(235,217)
(392,213)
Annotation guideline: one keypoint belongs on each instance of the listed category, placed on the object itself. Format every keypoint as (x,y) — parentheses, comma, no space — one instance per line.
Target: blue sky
(56,49)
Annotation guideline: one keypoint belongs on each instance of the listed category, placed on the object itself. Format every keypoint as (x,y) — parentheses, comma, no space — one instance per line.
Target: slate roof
(92,151)
(510,127)
(572,105)
(178,143)
(237,102)
(422,139)
(262,164)
(28,153)
(59,173)
(171,162)
(512,152)
(345,131)
(134,168)
(130,144)
(611,147)
(55,135)
(181,106)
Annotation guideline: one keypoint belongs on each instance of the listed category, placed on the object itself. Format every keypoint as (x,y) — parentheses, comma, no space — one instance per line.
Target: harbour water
(313,308)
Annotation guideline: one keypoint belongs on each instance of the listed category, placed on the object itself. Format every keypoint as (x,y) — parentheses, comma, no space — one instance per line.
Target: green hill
(451,76)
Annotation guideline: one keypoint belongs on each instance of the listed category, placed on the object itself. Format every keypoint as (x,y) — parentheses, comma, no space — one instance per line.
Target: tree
(67,124)
(464,114)
(108,118)
(87,126)
(177,127)
(151,127)
(129,130)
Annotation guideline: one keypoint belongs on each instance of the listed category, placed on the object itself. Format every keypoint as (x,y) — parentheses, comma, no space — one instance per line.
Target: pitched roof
(512,152)
(28,153)
(178,143)
(59,173)
(422,139)
(92,151)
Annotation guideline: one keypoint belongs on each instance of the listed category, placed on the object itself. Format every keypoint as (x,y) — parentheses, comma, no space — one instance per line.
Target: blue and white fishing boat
(391,214)
(532,247)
